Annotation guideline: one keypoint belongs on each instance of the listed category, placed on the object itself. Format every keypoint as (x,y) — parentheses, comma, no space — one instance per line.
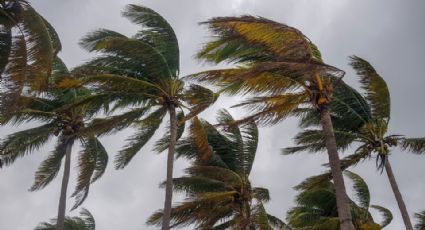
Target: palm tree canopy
(316,206)
(217,185)
(83,222)
(371,114)
(56,116)
(275,62)
(138,75)
(28,46)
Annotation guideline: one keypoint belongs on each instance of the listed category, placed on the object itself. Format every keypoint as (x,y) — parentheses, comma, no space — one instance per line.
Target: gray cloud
(388,33)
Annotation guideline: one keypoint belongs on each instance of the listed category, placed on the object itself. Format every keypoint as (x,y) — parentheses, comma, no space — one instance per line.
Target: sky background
(388,33)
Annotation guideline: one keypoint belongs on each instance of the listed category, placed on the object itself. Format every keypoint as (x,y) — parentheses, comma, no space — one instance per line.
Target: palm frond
(146,129)
(92,163)
(91,41)
(261,194)
(267,37)
(198,98)
(377,93)
(84,222)
(414,145)
(24,142)
(386,214)
(277,223)
(50,167)
(157,32)
(103,126)
(360,188)
(421,220)
(196,184)
(226,176)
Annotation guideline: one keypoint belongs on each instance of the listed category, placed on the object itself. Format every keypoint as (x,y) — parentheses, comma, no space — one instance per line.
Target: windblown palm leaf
(83,222)
(219,194)
(420,217)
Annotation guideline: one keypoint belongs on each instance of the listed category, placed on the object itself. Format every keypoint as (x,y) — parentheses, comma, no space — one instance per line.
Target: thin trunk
(398,196)
(170,165)
(342,201)
(60,225)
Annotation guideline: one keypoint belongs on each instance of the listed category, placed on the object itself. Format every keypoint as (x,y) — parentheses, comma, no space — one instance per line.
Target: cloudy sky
(388,33)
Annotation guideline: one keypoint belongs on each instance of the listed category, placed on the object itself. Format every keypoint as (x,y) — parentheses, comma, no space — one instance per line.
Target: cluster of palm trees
(135,82)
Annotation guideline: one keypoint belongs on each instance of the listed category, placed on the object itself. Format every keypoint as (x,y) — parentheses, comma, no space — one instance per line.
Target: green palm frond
(157,32)
(103,126)
(376,88)
(196,184)
(226,176)
(198,98)
(92,163)
(271,110)
(277,223)
(386,214)
(360,188)
(415,145)
(261,194)
(24,142)
(261,221)
(91,41)
(267,39)
(313,141)
(208,206)
(50,167)
(154,63)
(421,220)
(84,222)
(145,130)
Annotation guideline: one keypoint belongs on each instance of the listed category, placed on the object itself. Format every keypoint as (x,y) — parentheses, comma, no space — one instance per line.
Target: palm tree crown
(220,195)
(141,74)
(28,47)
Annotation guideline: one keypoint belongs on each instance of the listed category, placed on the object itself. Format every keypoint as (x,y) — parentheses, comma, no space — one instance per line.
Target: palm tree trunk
(170,165)
(343,205)
(398,196)
(60,225)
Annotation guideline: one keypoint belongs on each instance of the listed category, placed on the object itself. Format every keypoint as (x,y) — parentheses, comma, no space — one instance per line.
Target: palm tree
(372,134)
(141,74)
(220,195)
(84,222)
(421,221)
(285,72)
(316,206)
(52,109)
(28,46)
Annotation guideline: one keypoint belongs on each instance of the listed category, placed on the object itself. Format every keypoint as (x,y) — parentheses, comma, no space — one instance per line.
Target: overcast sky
(388,33)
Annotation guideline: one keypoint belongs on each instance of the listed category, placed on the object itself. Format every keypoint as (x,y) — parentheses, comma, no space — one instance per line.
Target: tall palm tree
(316,206)
(28,46)
(421,221)
(53,112)
(220,194)
(285,72)
(141,74)
(83,222)
(372,134)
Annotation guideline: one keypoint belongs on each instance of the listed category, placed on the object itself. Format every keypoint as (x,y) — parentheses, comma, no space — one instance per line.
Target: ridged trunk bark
(60,225)
(342,201)
(398,196)
(170,166)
